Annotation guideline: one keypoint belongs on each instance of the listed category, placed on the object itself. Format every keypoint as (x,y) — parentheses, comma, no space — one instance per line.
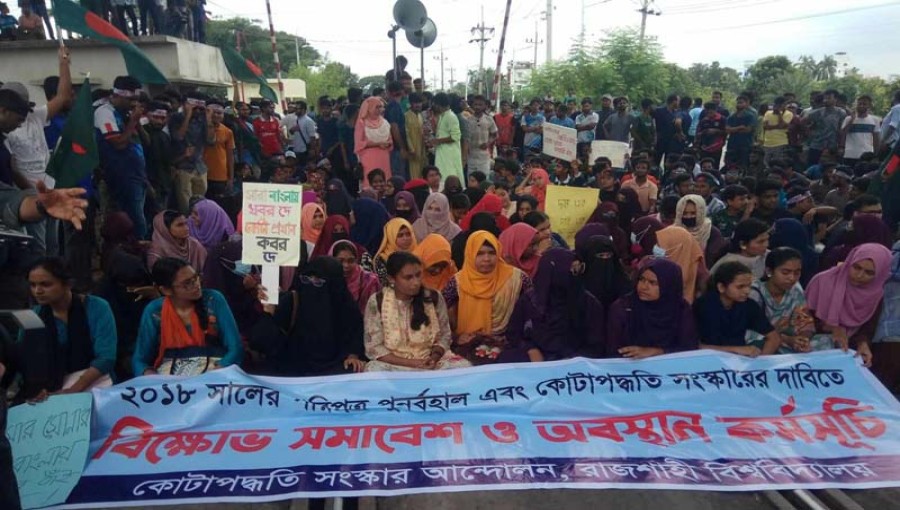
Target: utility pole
(297,49)
(549,14)
(647,10)
(275,58)
(442,59)
(451,77)
(484,35)
(535,42)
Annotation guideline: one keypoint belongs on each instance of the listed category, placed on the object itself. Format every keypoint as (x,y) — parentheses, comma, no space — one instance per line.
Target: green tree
(761,74)
(715,77)
(367,83)
(256,44)
(333,79)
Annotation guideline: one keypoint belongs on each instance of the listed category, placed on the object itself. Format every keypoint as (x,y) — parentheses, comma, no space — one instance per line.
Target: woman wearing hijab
(172,238)
(337,228)
(643,237)
(524,205)
(310,197)
(690,214)
(654,318)
(629,207)
(436,219)
(209,223)
(607,214)
(337,200)
(420,191)
(312,219)
(369,219)
(481,298)
(480,221)
(557,319)
(845,300)
(604,276)
(683,249)
(392,186)
(864,228)
(520,247)
(315,329)
(537,186)
(225,272)
(405,207)
(452,185)
(398,236)
(437,263)
(361,282)
(490,204)
(372,139)
(790,233)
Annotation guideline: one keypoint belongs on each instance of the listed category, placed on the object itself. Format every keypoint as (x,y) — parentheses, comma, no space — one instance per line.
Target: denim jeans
(155,12)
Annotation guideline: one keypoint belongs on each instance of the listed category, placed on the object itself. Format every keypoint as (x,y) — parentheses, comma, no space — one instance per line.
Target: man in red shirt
(268,131)
(506,129)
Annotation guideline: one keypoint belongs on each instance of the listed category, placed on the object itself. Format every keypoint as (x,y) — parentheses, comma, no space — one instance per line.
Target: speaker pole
(495,90)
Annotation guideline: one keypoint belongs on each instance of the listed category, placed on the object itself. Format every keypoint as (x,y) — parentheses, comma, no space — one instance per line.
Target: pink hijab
(367,114)
(540,180)
(837,302)
(515,240)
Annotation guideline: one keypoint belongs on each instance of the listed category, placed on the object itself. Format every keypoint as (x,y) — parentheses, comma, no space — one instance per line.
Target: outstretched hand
(64,204)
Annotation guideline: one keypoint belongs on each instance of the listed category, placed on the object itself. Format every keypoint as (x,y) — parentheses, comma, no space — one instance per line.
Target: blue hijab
(368,229)
(790,233)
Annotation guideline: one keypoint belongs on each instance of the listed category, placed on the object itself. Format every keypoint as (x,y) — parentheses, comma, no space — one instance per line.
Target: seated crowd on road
(426,244)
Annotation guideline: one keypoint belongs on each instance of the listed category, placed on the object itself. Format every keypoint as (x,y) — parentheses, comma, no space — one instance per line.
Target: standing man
(482,133)
(532,122)
(824,128)
(447,138)
(695,113)
(158,154)
(665,116)
(717,99)
(618,126)
(585,124)
(890,127)
(774,132)
(268,131)
(605,111)
(191,130)
(506,126)
(859,132)
(219,157)
(710,137)
(740,127)
(394,115)
(643,132)
(304,136)
(328,143)
(415,137)
(121,153)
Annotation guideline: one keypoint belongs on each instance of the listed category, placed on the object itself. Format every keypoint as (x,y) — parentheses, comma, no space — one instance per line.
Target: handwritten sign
(50,446)
(560,142)
(271,224)
(569,209)
(615,151)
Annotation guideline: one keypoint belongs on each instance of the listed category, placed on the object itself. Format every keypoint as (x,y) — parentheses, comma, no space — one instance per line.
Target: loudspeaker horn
(410,14)
(424,37)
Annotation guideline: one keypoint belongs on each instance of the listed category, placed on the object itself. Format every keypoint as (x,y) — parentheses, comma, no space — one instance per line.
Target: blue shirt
(53,130)
(102,326)
(146,349)
(564,122)
(328,133)
(395,115)
(695,119)
(120,165)
(741,140)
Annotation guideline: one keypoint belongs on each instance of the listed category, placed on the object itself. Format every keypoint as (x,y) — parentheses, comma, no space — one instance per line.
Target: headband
(158,113)
(796,199)
(124,92)
(196,102)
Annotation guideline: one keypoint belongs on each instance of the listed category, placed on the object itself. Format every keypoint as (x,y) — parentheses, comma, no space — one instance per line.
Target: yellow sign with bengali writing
(569,209)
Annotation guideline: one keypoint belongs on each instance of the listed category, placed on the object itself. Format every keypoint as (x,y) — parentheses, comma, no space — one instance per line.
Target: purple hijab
(653,323)
(413,214)
(215,225)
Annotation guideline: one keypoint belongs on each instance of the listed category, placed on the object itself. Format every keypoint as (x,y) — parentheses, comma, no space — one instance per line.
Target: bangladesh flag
(243,69)
(75,18)
(76,155)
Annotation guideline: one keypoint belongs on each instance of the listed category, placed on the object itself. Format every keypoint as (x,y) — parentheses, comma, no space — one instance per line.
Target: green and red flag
(75,18)
(76,156)
(243,69)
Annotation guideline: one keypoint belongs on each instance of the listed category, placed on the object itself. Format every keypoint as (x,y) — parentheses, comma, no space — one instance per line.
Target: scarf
(214,225)
(399,336)
(387,201)
(839,303)
(651,323)
(703,228)
(164,245)
(389,241)
(605,278)
(516,240)
(328,237)
(412,213)
(435,249)
(46,361)
(368,115)
(491,204)
(629,208)
(683,249)
(559,299)
(539,182)
(173,334)
(478,292)
(360,283)
(368,230)
(337,200)
(371,124)
(307,232)
(436,221)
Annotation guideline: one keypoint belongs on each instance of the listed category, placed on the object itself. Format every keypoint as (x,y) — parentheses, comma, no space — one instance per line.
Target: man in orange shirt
(219,157)
(647,191)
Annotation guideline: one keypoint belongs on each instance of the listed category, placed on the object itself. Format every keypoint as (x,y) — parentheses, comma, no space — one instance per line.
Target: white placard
(270,277)
(271,223)
(615,151)
(560,142)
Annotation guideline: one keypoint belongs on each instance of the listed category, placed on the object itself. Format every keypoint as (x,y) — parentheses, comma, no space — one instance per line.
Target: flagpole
(276,59)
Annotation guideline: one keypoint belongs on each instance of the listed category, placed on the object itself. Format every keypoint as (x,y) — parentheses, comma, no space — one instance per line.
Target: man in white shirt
(585,123)
(303,134)
(482,133)
(859,132)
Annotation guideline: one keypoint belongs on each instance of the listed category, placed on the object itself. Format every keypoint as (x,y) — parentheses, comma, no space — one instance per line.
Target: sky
(733,32)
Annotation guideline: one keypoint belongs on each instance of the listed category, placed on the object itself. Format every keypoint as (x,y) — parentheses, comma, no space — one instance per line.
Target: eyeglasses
(190,283)
(315,281)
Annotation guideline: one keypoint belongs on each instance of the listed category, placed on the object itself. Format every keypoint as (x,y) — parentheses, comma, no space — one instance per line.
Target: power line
(804,17)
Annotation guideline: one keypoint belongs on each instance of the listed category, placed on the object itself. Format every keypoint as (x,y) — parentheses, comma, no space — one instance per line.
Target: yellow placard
(569,209)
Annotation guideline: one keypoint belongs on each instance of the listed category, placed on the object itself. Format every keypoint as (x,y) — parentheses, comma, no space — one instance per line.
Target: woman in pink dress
(373,139)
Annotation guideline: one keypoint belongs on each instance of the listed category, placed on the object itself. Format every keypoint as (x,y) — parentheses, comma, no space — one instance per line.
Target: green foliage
(257,46)
(333,79)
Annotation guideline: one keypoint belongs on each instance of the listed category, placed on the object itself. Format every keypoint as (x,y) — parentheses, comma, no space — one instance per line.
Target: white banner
(560,142)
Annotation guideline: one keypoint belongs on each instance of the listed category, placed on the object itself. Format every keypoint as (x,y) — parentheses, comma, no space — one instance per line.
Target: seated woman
(846,300)
(361,283)
(681,248)
(481,298)
(481,221)
(781,297)
(316,329)
(524,205)
(437,263)
(452,186)
(188,331)
(535,184)
(629,207)
(490,204)
(520,247)
(654,318)
(337,199)
(312,219)
(607,214)
(643,239)
(398,236)
(790,233)
(392,186)
(209,223)
(726,312)
(749,246)
(436,219)
(337,228)
(690,213)
(76,349)
(406,324)
(604,276)
(367,224)
(238,282)
(172,238)
(556,319)
(405,206)
(546,236)
(864,228)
